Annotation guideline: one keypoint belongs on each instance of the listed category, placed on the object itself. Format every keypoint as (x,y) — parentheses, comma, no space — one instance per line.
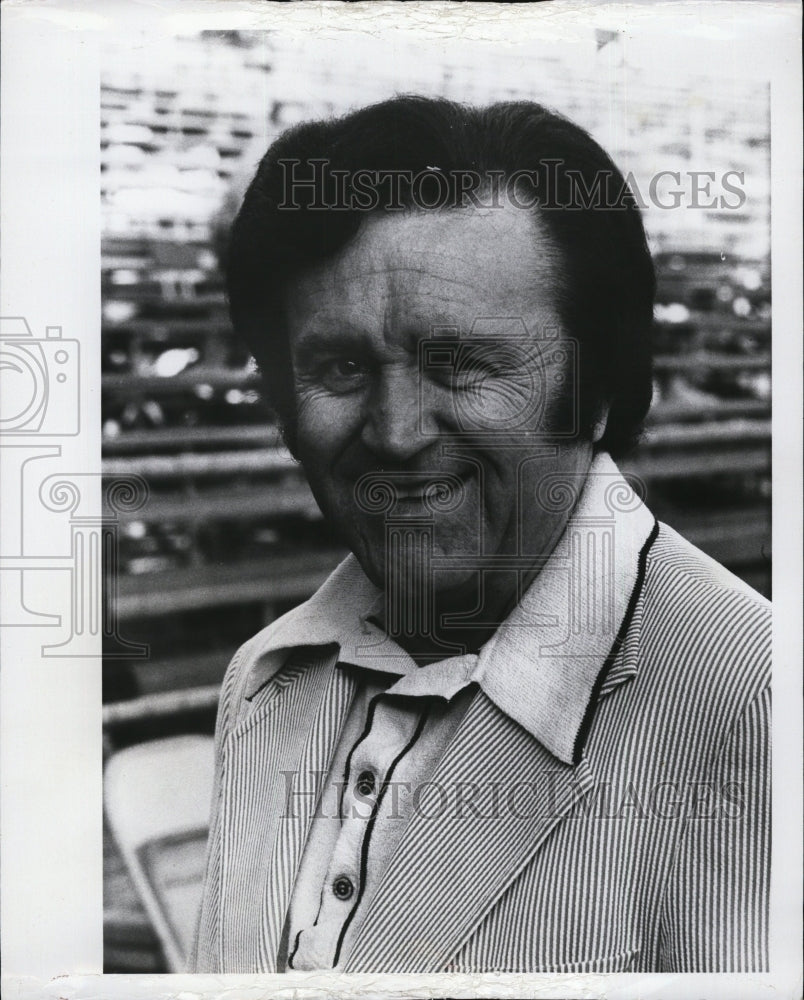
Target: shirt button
(342,887)
(365,782)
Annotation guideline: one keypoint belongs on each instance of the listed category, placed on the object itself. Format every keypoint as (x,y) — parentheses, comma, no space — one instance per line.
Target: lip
(415,489)
(433,491)
(410,498)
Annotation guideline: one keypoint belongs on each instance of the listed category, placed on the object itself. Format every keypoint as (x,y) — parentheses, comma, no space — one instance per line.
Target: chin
(404,562)
(411,583)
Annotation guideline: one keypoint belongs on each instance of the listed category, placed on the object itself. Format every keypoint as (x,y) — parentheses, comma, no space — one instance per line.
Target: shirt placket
(366,798)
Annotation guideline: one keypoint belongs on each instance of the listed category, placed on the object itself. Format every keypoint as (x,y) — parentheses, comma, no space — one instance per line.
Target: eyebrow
(313,343)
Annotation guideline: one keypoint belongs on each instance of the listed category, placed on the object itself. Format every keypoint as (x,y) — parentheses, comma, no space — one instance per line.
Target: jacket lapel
(493,800)
(272,766)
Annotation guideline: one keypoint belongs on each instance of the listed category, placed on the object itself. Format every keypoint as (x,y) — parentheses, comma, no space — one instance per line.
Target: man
(523,727)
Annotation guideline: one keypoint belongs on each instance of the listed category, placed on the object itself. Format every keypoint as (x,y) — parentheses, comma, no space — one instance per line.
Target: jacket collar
(548,661)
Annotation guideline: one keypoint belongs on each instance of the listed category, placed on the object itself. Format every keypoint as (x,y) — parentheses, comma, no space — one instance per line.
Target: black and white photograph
(401,442)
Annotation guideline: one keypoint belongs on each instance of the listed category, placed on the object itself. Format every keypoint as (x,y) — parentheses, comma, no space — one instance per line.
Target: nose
(395,416)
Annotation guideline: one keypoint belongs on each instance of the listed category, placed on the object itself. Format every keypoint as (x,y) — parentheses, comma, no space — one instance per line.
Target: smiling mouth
(411,499)
(384,491)
(418,490)
(431,491)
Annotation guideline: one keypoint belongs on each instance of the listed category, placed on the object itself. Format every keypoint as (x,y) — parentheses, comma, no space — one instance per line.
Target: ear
(601,422)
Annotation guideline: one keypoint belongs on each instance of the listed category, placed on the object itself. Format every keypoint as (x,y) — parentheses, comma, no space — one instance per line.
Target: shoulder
(256,662)
(235,681)
(694,604)
(675,559)
(690,598)
(318,622)
(687,595)
(704,638)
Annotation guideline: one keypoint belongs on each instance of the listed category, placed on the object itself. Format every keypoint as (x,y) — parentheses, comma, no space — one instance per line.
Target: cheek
(324,426)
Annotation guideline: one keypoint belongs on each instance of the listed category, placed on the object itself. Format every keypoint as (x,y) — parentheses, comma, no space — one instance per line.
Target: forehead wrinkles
(381,289)
(455,262)
(506,250)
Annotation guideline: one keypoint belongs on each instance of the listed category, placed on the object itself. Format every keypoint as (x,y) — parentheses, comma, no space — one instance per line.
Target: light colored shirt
(390,746)
(404,715)
(607,788)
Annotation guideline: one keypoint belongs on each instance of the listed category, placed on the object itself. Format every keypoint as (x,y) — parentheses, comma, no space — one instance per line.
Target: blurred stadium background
(230,537)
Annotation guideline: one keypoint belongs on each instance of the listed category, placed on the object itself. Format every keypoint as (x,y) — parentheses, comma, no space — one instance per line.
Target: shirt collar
(542,664)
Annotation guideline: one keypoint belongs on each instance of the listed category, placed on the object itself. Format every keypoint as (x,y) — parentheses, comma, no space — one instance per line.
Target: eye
(348,367)
(479,364)
(343,374)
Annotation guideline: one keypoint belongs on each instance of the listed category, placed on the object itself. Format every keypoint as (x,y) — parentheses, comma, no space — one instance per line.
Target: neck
(433,625)
(456,621)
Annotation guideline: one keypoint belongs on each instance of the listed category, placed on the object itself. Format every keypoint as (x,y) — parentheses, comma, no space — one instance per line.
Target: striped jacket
(643,848)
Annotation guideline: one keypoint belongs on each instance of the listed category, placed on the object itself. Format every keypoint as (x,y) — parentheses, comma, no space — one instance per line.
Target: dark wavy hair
(583,202)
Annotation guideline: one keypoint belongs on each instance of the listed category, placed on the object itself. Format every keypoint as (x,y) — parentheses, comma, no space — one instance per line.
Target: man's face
(481,413)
